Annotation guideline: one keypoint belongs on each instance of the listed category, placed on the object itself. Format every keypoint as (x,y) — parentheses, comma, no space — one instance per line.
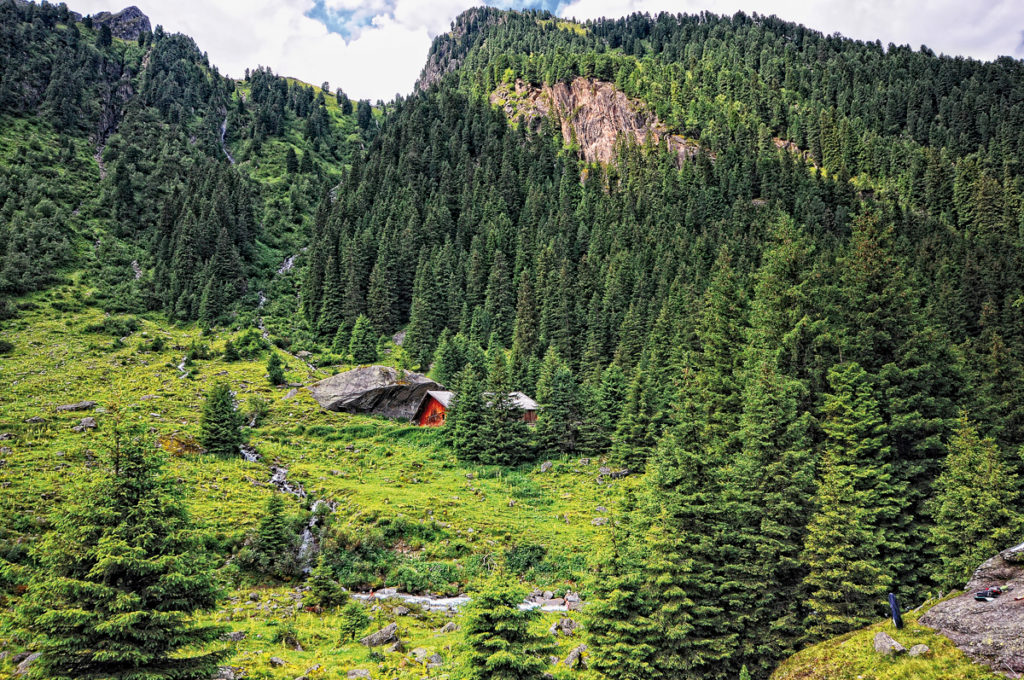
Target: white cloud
(984,29)
(389,39)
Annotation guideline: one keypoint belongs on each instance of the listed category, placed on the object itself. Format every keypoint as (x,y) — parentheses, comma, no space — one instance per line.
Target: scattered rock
(396,646)
(358,673)
(584,461)
(291,393)
(919,650)
(885,644)
(77,406)
(26,664)
(277,661)
(575,658)
(548,594)
(229,673)
(450,627)
(35,420)
(564,627)
(303,354)
(400,610)
(398,338)
(383,636)
(599,521)
(84,424)
(234,636)
(546,465)
(604,470)
(5,436)
(148,397)
(435,660)
(601,509)
(420,653)
(512,503)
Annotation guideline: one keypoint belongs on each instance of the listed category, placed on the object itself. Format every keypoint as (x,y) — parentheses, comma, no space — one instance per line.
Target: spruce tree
(851,549)
(499,644)
(618,623)
(466,416)
(558,421)
(363,343)
(506,438)
(669,576)
(220,424)
(977,506)
(845,583)
(230,351)
(275,369)
(324,590)
(121,575)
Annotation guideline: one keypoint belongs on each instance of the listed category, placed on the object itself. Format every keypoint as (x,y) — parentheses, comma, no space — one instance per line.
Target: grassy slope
(852,657)
(374,468)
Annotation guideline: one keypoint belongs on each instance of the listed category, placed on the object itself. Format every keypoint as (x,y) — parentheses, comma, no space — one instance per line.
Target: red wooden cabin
(434,408)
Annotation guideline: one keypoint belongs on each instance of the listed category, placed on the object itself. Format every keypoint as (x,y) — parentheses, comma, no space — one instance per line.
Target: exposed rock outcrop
(448,51)
(128,24)
(989,632)
(592,114)
(376,390)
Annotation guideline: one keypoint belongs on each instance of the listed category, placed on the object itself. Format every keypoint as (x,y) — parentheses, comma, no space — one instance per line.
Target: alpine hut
(434,407)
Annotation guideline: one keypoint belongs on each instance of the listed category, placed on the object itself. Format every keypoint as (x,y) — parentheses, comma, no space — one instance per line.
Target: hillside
(764,284)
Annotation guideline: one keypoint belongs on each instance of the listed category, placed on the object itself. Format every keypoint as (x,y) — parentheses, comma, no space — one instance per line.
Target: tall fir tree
(977,506)
(122,575)
(499,643)
(220,423)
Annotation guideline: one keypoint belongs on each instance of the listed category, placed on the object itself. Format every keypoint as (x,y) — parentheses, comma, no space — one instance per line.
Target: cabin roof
(523,401)
(442,396)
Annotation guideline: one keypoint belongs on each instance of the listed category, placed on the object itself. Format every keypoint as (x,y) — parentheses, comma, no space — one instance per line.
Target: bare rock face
(991,633)
(375,390)
(128,24)
(592,114)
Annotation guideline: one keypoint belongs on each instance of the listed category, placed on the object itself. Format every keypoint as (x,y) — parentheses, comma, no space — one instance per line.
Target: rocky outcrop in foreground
(375,390)
(592,114)
(991,633)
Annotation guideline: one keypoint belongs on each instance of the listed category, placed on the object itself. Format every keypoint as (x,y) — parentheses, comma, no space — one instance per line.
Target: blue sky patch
(350,23)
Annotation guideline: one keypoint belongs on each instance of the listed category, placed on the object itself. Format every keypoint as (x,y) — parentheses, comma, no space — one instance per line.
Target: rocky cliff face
(449,50)
(989,632)
(591,114)
(128,24)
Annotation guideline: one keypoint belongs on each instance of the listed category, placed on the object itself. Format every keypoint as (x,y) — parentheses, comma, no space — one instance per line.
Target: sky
(374,49)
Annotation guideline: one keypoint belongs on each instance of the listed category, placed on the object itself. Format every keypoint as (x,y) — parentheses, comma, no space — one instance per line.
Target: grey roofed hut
(374,390)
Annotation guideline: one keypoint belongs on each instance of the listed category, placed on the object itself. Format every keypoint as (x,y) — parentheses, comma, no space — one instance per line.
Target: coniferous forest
(795,351)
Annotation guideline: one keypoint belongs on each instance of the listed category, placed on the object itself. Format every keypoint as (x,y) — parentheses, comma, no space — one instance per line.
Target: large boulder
(375,390)
(989,632)
(383,636)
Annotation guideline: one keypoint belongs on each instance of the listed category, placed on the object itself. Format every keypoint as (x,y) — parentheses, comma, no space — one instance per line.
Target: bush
(117,327)
(251,344)
(6,347)
(520,558)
